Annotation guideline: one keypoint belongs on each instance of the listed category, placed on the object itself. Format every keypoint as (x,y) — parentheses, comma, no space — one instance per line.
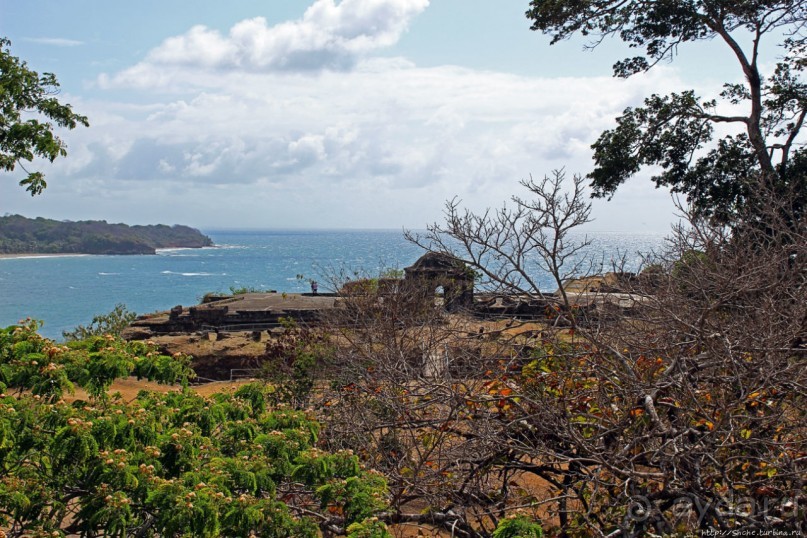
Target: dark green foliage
(358,498)
(675,132)
(518,527)
(255,395)
(26,92)
(19,234)
(658,27)
(243,290)
(112,323)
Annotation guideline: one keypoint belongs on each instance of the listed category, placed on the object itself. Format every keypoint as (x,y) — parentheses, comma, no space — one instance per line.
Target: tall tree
(29,111)
(676,132)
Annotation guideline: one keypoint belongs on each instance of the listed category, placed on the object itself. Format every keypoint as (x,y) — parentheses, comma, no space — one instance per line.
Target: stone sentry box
(435,269)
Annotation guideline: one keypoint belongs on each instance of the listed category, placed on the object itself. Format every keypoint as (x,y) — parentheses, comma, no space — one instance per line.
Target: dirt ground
(130,386)
(214,357)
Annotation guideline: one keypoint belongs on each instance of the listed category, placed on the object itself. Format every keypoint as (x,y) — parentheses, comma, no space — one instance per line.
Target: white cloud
(328,36)
(165,167)
(250,139)
(388,126)
(199,47)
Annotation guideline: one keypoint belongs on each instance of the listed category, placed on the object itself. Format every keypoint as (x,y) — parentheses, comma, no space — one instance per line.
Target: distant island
(21,235)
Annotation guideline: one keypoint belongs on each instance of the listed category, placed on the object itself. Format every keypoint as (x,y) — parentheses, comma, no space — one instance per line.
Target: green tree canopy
(28,116)
(162,465)
(676,132)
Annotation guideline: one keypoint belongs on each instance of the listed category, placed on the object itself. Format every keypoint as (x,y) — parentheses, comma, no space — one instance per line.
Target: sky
(325,113)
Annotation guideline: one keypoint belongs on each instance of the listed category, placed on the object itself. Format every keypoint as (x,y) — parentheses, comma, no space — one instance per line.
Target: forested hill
(21,235)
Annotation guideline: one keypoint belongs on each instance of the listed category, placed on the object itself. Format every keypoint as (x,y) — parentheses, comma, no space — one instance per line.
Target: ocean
(65,291)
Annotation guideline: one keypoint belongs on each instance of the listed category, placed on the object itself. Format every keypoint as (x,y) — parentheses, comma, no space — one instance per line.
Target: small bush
(111,323)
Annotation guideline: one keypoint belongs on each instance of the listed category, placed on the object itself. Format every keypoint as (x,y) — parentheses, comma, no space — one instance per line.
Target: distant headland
(21,235)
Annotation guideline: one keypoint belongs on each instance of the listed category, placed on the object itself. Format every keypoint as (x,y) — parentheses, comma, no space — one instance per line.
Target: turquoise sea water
(64,291)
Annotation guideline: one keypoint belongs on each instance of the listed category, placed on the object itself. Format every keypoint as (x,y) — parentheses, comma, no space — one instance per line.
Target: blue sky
(319,113)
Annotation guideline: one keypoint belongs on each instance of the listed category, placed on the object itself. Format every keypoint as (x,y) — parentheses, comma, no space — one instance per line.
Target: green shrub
(111,323)
(518,527)
(174,464)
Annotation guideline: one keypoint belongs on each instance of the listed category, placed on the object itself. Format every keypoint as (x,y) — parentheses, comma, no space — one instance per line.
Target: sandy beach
(38,255)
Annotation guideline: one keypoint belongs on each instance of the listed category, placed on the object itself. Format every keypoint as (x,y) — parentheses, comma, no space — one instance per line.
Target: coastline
(24,255)
(39,255)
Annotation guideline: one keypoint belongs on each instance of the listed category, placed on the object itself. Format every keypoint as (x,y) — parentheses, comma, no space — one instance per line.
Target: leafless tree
(512,247)
(685,413)
(698,420)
